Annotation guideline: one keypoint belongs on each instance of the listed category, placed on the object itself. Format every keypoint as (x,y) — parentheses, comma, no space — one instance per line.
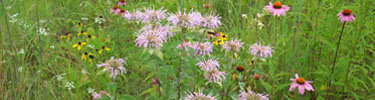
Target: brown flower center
(277,5)
(122,1)
(91,56)
(347,12)
(89,36)
(79,43)
(240,68)
(257,77)
(300,81)
(184,18)
(103,47)
(114,7)
(122,10)
(86,53)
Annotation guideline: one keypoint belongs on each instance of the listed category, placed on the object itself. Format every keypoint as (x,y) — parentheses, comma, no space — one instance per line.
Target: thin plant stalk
(334,61)
(179,66)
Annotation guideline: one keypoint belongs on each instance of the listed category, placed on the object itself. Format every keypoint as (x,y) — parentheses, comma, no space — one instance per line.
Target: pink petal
(301,89)
(293,86)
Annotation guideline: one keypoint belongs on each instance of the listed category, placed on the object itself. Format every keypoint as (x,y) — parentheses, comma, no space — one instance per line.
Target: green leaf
(126,97)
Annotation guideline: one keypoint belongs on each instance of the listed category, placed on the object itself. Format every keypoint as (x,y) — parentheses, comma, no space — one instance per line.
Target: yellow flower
(234,77)
(104,48)
(79,25)
(90,37)
(79,45)
(82,32)
(223,36)
(219,41)
(66,35)
(84,56)
(251,62)
(91,57)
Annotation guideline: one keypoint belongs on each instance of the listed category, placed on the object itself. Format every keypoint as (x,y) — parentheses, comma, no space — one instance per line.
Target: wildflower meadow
(187,50)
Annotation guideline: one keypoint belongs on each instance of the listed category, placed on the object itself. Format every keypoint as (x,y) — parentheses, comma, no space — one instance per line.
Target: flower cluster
(114,66)
(258,50)
(211,69)
(250,95)
(232,46)
(199,96)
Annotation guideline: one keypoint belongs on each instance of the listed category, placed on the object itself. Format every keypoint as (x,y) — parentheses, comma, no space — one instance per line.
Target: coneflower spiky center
(277,5)
(347,12)
(184,18)
(122,1)
(240,68)
(257,77)
(122,10)
(114,7)
(301,81)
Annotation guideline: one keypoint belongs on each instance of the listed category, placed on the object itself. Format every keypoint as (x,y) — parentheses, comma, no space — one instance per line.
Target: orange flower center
(277,5)
(122,10)
(257,77)
(300,81)
(240,68)
(114,7)
(347,12)
(122,0)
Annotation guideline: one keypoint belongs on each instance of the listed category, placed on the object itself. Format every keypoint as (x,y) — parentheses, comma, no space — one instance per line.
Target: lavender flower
(184,45)
(182,19)
(211,21)
(151,15)
(258,50)
(233,45)
(202,48)
(250,95)
(208,64)
(114,66)
(199,96)
(153,36)
(214,75)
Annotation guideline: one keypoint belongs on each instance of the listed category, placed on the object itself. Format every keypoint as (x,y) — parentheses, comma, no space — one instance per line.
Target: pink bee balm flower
(211,21)
(122,2)
(302,85)
(114,10)
(250,95)
(151,15)
(202,48)
(114,66)
(199,96)
(185,20)
(345,15)
(208,64)
(233,45)
(276,8)
(258,50)
(214,75)
(153,37)
(184,45)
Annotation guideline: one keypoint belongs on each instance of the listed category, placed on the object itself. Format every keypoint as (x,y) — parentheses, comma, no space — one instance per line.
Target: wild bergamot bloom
(214,75)
(85,55)
(114,66)
(277,8)
(233,45)
(211,21)
(184,45)
(82,32)
(151,37)
(199,96)
(258,50)
(301,83)
(152,15)
(185,20)
(208,64)
(250,95)
(79,45)
(345,15)
(202,48)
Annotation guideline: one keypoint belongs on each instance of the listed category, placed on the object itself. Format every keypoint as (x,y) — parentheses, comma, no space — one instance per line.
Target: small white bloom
(42,31)
(69,85)
(60,77)
(84,18)
(20,69)
(99,20)
(90,90)
(42,21)
(244,16)
(259,15)
(22,51)
(9,7)
(91,46)
(38,71)
(52,46)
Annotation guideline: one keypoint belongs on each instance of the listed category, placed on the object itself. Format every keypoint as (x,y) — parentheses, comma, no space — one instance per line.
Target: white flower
(90,90)
(9,7)
(244,16)
(84,18)
(60,77)
(13,18)
(91,46)
(259,15)
(22,51)
(42,31)
(52,46)
(20,69)
(69,85)
(99,20)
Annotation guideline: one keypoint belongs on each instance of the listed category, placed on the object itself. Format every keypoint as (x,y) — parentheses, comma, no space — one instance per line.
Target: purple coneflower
(258,50)
(346,15)
(302,85)
(276,8)
(250,95)
(208,64)
(185,20)
(123,12)
(114,10)
(114,66)
(211,21)
(199,96)
(122,2)
(202,48)
(214,75)
(233,45)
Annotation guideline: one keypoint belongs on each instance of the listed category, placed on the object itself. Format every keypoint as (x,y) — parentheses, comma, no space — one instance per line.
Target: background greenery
(306,41)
